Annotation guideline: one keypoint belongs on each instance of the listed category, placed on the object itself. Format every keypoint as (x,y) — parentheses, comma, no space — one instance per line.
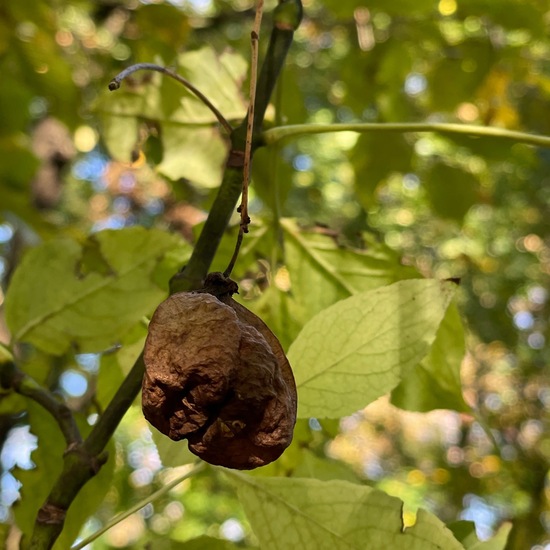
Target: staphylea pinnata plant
(212,372)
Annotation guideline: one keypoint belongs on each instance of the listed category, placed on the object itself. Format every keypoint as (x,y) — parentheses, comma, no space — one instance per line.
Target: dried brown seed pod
(217,376)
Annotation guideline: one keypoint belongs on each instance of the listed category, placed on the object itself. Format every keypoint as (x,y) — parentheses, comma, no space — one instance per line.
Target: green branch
(13,378)
(275,135)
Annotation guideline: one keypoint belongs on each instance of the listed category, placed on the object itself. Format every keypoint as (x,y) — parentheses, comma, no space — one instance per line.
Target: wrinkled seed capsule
(218,377)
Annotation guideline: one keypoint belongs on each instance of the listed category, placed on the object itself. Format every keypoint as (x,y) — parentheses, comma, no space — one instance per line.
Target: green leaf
(451,190)
(465,532)
(164,25)
(196,154)
(479,54)
(5,532)
(11,403)
(14,99)
(374,158)
(315,261)
(115,365)
(109,378)
(281,312)
(400,8)
(219,78)
(57,299)
(512,14)
(18,166)
(5,354)
(293,456)
(435,382)
(255,246)
(120,135)
(193,148)
(172,453)
(323,468)
(333,515)
(360,348)
(199,543)
(38,482)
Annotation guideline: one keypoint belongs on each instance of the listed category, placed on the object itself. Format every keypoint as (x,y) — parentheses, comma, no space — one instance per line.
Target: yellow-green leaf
(435,383)
(64,293)
(362,347)
(333,515)
(196,154)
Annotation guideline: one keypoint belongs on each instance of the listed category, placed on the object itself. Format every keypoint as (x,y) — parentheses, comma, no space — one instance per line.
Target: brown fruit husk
(217,376)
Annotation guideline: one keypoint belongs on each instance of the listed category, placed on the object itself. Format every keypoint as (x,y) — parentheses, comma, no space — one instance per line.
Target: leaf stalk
(274,135)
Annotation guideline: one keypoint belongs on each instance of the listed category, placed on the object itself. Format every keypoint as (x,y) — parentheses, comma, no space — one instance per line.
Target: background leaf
(193,147)
(451,191)
(376,157)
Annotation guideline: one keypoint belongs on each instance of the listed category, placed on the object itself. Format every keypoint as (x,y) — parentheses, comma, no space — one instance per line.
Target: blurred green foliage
(333,215)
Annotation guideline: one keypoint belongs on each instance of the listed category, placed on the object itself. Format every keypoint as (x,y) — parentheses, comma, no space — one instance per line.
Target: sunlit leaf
(314,260)
(115,364)
(465,532)
(171,453)
(120,135)
(293,456)
(219,78)
(323,468)
(360,348)
(53,304)
(435,383)
(193,146)
(196,154)
(199,543)
(333,515)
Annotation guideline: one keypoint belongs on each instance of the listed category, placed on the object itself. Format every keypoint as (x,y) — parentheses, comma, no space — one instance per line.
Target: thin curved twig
(115,85)
(197,468)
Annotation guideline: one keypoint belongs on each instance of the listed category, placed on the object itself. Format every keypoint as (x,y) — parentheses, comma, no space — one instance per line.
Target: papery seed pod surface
(216,375)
